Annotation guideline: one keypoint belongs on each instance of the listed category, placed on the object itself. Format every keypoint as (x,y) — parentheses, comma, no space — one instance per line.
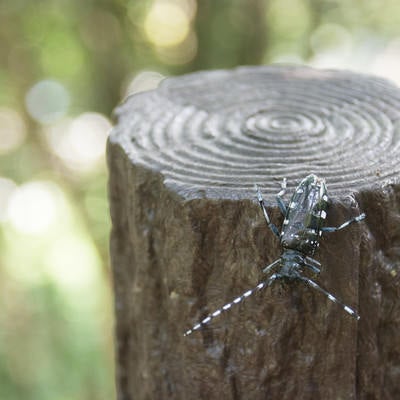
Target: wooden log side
(188,236)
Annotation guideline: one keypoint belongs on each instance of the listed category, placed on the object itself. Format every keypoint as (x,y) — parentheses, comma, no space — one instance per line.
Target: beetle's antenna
(332,298)
(227,306)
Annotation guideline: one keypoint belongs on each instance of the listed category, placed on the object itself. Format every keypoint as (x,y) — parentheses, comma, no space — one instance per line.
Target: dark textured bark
(188,236)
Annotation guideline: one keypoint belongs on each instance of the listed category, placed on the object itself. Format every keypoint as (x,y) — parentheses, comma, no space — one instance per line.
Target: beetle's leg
(271,226)
(227,306)
(314,265)
(332,298)
(279,197)
(344,225)
(270,266)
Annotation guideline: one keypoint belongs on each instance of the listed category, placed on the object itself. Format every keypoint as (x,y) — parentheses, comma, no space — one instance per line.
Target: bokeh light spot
(143,81)
(32,207)
(47,101)
(72,262)
(180,54)
(80,143)
(12,130)
(166,24)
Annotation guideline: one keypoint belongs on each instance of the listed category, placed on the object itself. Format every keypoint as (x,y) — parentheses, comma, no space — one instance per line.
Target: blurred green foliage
(64,66)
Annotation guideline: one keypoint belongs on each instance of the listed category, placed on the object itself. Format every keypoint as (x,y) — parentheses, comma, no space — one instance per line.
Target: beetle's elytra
(303,225)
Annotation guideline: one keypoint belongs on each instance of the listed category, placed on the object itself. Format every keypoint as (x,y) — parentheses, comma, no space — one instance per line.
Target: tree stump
(188,236)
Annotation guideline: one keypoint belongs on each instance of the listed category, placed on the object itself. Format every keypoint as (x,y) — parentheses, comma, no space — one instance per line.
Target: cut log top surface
(215,134)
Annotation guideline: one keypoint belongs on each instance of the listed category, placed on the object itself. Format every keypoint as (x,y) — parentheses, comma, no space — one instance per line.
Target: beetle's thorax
(291,263)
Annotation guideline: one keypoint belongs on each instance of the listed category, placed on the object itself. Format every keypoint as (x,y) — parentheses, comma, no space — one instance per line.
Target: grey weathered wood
(188,236)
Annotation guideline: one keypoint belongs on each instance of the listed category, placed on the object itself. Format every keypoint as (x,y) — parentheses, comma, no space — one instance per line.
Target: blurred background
(64,66)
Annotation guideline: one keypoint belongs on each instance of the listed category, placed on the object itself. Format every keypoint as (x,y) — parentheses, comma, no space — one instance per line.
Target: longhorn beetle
(300,234)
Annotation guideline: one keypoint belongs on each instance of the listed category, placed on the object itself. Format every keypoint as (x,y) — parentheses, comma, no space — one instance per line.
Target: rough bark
(188,236)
